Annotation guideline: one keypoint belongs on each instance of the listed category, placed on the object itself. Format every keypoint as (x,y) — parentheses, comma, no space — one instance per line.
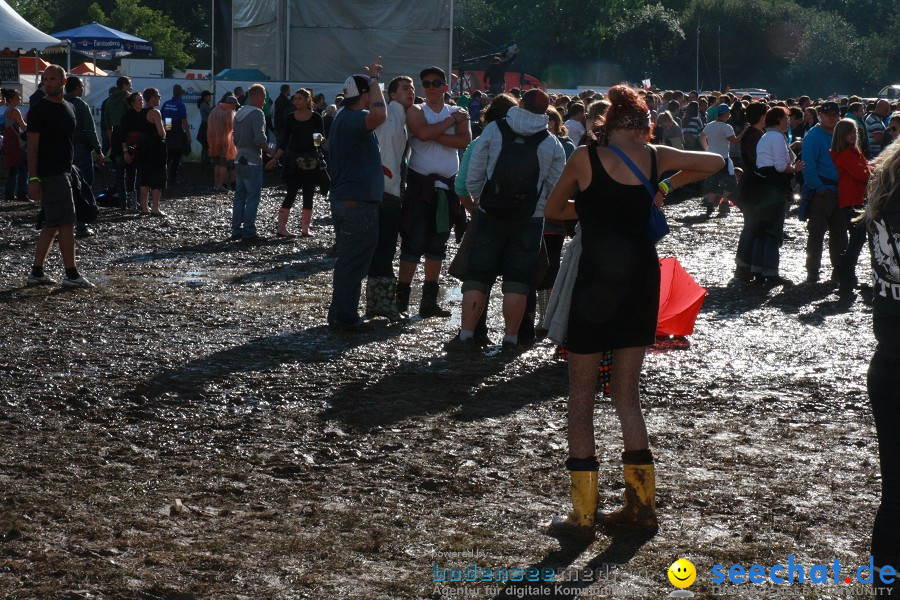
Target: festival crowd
(509,174)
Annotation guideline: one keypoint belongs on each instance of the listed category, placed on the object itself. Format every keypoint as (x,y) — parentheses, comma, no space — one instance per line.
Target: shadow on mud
(502,385)
(600,570)
(314,345)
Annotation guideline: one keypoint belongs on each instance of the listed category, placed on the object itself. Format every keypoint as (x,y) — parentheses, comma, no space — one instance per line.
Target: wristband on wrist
(665,187)
(37,179)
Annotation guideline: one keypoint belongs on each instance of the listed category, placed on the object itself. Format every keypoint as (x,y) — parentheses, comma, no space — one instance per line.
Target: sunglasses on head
(429,83)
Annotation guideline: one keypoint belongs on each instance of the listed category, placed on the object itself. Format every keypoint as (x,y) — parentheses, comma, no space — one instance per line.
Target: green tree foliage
(152,25)
(36,12)
(645,40)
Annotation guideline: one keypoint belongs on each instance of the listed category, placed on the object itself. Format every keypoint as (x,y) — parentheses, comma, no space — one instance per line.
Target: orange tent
(26,65)
(88,68)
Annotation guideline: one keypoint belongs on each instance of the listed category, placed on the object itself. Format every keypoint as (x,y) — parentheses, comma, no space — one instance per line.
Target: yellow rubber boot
(639,511)
(580,522)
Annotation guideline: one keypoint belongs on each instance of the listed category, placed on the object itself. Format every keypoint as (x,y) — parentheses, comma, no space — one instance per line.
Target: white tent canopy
(18,34)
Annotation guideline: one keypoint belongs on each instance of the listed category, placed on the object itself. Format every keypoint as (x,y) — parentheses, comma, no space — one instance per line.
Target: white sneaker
(81,282)
(42,280)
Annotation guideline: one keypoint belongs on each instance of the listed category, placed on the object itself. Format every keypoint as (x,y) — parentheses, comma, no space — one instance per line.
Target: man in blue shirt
(357,185)
(174,115)
(820,176)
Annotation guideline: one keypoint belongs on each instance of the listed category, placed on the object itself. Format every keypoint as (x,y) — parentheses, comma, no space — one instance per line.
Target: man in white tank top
(430,206)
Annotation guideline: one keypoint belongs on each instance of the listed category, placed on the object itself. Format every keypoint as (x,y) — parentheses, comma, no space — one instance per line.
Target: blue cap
(722,109)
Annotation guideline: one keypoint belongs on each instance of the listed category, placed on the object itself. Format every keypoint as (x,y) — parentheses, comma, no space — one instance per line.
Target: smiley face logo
(682,573)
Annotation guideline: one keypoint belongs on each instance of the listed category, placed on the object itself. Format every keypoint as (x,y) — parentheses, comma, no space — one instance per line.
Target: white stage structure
(299,40)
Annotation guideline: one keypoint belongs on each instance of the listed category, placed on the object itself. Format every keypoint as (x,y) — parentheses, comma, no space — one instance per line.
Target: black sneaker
(83,233)
(482,341)
(457,344)
(743,274)
(359,325)
(509,348)
(772,281)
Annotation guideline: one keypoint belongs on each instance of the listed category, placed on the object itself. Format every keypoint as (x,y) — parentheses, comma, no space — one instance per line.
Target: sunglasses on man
(432,83)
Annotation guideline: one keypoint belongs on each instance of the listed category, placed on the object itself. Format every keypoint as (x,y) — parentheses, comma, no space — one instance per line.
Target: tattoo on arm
(378,104)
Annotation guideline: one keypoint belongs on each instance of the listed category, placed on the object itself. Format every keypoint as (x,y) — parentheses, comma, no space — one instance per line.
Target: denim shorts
(504,247)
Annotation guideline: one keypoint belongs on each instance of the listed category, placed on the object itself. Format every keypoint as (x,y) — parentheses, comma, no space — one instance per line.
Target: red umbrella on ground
(680,299)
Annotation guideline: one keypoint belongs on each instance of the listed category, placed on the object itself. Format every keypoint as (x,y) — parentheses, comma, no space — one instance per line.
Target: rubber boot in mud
(381,293)
(281,229)
(305,220)
(579,523)
(402,297)
(639,512)
(429,306)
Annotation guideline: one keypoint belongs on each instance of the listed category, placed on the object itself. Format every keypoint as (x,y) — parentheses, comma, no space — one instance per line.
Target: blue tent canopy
(105,42)
(243,75)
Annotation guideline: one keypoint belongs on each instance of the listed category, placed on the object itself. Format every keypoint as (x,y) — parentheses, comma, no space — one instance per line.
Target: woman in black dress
(615,299)
(302,166)
(125,141)
(151,152)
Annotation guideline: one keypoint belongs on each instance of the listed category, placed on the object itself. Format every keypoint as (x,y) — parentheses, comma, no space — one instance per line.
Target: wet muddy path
(191,429)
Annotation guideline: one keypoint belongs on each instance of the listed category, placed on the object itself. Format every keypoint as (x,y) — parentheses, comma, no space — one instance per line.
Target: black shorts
(57,201)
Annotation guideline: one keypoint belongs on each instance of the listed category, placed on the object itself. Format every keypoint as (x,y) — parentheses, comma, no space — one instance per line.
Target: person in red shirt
(853,176)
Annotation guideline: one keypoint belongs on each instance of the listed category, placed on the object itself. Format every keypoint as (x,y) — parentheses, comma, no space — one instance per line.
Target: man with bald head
(51,131)
(876,124)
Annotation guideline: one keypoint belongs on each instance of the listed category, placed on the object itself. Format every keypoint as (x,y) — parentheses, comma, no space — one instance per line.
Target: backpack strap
(637,172)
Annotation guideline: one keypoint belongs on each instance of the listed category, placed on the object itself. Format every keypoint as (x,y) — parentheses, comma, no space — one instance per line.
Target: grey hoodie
(551,155)
(250,134)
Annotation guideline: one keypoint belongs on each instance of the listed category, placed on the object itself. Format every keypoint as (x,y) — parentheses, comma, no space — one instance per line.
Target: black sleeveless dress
(615,300)
(151,162)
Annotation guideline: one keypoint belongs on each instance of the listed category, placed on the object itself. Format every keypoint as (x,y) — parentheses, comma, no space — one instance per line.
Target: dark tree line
(788,46)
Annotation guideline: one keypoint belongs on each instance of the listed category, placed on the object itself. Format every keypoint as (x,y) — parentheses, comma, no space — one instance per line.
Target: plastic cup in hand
(318,138)
(272,147)
(168,123)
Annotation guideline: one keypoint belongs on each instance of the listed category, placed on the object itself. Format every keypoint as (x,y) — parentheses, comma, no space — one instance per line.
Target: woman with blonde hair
(883,218)
(670,133)
(853,176)
(615,298)
(220,139)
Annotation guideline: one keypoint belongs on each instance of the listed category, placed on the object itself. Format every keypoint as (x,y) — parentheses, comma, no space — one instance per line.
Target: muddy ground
(191,429)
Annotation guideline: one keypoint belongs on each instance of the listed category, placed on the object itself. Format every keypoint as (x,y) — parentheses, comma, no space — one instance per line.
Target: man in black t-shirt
(51,130)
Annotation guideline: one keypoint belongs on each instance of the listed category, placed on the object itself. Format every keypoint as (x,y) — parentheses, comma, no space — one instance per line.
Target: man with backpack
(512,170)
(430,206)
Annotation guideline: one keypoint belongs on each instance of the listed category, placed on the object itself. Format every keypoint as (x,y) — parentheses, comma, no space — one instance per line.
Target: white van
(890,92)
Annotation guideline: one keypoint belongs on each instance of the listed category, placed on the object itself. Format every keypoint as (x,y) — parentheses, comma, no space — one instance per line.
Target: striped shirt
(693,127)
(874,125)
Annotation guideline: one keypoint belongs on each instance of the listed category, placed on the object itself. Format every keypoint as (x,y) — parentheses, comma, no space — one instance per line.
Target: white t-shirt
(717,133)
(576,130)
(429,158)
(772,151)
